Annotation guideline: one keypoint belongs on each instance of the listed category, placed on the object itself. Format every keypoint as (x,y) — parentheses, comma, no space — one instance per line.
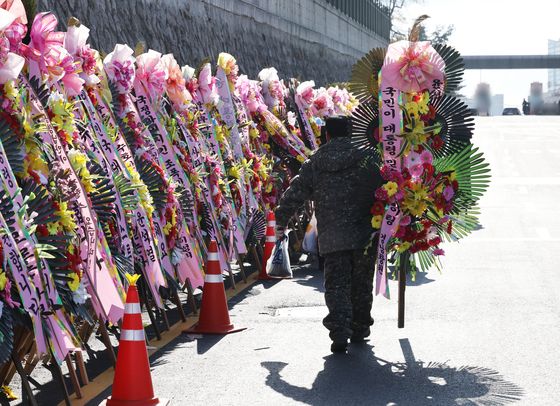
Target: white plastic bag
(309,243)
(278,265)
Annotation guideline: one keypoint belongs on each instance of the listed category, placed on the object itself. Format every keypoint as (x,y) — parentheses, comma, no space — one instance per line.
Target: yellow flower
(3,280)
(268,188)
(415,207)
(253,133)
(404,246)
(453,176)
(145,198)
(420,192)
(226,62)
(167,228)
(57,107)
(53,227)
(66,217)
(74,284)
(10,91)
(376,221)
(77,159)
(220,134)
(234,172)
(391,188)
(300,159)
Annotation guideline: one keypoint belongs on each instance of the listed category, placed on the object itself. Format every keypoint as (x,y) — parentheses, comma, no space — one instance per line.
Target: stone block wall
(307,39)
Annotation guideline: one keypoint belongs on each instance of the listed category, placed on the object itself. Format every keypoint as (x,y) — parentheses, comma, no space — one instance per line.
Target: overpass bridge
(512,61)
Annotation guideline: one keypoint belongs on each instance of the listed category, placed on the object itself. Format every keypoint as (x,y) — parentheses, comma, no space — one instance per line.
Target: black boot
(339,346)
(359,336)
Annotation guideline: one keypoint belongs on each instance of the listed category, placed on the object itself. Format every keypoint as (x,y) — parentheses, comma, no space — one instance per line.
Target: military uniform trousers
(349,292)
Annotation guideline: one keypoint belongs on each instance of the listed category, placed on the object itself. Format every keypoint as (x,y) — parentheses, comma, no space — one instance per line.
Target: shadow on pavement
(420,279)
(361,378)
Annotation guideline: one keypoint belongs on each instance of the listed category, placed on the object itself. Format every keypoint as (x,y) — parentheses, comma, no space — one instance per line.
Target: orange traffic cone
(269,241)
(132,384)
(214,314)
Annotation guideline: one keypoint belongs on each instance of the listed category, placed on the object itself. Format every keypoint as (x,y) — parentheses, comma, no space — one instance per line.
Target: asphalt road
(485,331)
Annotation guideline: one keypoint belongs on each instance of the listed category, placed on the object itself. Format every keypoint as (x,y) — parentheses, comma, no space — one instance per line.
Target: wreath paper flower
(119,66)
(175,83)
(305,93)
(10,63)
(75,43)
(206,92)
(151,72)
(413,66)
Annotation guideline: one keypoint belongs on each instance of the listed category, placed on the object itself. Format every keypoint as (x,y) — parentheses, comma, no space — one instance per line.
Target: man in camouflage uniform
(341,179)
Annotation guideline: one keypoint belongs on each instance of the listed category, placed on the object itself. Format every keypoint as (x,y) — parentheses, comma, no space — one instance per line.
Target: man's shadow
(360,378)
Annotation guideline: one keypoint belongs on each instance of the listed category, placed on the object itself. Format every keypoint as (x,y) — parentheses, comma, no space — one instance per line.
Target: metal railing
(372,14)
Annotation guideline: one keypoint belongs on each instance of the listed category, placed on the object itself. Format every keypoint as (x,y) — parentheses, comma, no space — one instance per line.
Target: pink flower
(151,73)
(119,66)
(426,157)
(438,252)
(206,93)
(413,66)
(16,8)
(60,66)
(322,104)
(250,95)
(413,158)
(272,87)
(15,34)
(416,170)
(405,221)
(75,43)
(305,93)
(10,64)
(176,89)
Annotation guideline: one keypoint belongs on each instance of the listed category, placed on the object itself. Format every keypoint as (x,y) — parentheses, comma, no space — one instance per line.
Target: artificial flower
(305,93)
(391,188)
(376,221)
(322,104)
(175,83)
(413,66)
(206,92)
(151,73)
(119,66)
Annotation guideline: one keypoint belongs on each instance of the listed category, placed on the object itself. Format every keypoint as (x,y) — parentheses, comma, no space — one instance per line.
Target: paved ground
(485,331)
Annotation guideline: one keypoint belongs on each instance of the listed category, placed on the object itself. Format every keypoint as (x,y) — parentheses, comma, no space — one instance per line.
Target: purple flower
(448,193)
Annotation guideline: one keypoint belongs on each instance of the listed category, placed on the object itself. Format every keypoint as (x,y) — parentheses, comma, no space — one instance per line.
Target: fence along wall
(309,39)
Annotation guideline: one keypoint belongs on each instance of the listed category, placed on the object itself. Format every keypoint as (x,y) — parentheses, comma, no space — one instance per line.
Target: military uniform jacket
(341,180)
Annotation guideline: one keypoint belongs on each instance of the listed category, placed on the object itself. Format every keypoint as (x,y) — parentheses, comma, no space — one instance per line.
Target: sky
(494,27)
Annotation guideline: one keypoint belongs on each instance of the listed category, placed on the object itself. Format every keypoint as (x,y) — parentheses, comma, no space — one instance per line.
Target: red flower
(378,209)
(42,230)
(437,142)
(428,170)
(434,241)
(449,227)
(381,194)
(430,115)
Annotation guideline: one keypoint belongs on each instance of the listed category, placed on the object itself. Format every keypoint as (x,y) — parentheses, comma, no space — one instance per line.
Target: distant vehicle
(511,111)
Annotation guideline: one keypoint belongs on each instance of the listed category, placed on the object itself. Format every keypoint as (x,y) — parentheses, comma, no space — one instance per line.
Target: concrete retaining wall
(308,39)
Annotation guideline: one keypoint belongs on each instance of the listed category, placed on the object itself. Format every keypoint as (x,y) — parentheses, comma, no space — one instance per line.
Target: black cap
(338,126)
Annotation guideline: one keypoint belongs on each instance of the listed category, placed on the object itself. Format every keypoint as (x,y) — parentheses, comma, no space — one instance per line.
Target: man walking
(341,179)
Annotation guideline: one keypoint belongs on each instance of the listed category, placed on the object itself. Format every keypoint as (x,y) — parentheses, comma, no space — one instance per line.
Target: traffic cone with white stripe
(214,314)
(132,384)
(269,241)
